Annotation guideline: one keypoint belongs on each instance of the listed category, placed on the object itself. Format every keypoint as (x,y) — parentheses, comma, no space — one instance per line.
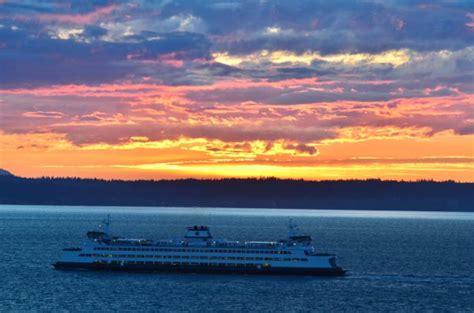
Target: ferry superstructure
(198,251)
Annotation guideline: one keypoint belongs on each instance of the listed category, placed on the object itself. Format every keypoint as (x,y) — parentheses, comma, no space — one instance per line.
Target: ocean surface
(397,262)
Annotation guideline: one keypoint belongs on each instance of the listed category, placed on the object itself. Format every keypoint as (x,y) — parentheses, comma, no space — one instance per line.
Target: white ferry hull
(198,252)
(333,271)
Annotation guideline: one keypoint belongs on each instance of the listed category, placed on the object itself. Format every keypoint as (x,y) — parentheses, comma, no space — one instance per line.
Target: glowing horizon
(141,91)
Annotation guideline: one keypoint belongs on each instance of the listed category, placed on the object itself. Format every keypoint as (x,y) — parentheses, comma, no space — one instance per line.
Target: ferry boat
(199,252)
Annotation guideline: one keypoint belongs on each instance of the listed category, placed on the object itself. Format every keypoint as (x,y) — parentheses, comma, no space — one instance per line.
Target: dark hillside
(265,193)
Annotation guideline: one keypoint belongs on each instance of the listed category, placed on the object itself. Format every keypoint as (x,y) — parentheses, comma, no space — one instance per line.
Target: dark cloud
(114,44)
(41,60)
(115,134)
(302,148)
(93,31)
(332,26)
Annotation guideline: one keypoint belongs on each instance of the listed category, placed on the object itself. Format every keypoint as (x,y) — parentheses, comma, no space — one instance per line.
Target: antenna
(292,228)
(105,224)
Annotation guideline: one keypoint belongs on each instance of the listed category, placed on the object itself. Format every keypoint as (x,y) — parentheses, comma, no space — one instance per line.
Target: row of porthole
(194,250)
(186,263)
(193,257)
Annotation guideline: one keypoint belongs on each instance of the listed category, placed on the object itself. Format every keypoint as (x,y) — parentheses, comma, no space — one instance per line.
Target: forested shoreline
(371,194)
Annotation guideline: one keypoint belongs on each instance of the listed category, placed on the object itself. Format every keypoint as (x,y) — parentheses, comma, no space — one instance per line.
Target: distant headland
(370,194)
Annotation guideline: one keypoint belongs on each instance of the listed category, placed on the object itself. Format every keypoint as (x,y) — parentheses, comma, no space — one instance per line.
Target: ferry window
(259,259)
(249,258)
(268,259)
(304,259)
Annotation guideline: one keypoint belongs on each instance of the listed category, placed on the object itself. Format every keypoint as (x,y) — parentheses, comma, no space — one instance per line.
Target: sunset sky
(292,89)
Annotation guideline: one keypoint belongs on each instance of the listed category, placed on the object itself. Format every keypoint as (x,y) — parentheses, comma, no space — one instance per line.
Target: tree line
(372,194)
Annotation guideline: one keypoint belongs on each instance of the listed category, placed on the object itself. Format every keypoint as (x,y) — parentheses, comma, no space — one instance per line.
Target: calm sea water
(398,261)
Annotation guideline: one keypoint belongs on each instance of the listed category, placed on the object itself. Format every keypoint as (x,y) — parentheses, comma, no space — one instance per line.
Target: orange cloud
(138,130)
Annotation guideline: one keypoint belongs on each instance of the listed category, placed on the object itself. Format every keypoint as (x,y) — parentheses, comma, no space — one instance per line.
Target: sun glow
(395,58)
